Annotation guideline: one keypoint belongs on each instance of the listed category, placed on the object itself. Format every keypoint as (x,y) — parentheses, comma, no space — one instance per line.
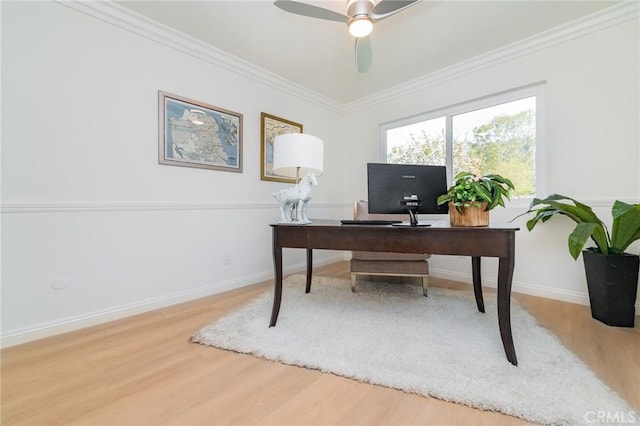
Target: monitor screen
(399,188)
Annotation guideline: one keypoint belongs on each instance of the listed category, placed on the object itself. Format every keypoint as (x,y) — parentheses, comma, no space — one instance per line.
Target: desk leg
(277,282)
(477,282)
(309,269)
(505,277)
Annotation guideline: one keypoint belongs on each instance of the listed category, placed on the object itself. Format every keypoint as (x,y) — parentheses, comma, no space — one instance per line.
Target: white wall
(86,207)
(85,203)
(591,136)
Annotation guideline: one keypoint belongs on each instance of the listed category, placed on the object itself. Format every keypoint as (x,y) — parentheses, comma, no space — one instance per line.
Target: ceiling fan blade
(386,8)
(310,11)
(364,54)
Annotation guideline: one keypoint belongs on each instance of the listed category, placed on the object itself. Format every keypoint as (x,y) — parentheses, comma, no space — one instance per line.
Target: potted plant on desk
(612,274)
(471,198)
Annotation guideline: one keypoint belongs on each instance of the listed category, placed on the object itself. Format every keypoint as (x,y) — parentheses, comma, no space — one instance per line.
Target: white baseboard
(519,287)
(579,298)
(490,281)
(52,328)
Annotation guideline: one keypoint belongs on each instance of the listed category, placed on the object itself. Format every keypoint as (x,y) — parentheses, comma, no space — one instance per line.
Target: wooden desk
(492,241)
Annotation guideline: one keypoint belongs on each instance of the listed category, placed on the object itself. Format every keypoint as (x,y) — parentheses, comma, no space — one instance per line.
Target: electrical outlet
(226,259)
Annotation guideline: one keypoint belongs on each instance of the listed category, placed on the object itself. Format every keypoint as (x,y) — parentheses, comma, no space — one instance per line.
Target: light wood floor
(143,371)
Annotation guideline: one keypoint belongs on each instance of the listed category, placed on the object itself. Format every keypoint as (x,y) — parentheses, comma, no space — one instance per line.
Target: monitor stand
(413,220)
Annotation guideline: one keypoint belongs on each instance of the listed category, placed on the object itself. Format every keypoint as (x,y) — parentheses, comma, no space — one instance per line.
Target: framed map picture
(270,127)
(194,134)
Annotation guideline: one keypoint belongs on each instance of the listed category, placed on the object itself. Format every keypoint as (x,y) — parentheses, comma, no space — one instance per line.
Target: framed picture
(194,134)
(270,127)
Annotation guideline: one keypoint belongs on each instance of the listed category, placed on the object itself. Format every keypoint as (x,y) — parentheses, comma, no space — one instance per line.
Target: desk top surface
(435,224)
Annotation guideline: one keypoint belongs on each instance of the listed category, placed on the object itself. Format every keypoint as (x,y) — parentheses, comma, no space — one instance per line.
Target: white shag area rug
(440,346)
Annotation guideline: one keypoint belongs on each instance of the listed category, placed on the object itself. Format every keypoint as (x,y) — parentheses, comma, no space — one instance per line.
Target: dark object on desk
(406,188)
(369,222)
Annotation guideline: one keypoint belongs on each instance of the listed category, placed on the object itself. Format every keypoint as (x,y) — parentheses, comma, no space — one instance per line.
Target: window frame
(536,89)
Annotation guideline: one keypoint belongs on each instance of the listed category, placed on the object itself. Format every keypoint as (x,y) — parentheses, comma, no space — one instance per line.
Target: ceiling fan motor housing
(359,8)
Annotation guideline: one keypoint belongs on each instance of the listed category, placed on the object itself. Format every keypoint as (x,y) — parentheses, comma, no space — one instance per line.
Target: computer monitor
(406,188)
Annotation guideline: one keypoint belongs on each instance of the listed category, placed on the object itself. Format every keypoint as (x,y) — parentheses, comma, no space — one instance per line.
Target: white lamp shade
(297,151)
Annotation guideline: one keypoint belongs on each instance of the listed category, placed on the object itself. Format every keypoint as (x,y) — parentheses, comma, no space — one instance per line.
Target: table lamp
(295,155)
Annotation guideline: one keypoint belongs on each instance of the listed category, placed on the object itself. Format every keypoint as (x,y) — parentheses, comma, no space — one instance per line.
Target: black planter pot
(612,281)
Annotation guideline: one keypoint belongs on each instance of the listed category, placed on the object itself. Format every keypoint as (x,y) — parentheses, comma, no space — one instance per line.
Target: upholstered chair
(390,264)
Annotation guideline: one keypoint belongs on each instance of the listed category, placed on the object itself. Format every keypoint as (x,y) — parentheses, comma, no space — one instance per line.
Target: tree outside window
(498,139)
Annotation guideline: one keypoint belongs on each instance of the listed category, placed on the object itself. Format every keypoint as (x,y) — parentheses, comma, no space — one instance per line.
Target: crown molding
(136,23)
(122,17)
(611,16)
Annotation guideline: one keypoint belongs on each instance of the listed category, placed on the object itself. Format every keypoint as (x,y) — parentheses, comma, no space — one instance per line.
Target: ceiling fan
(361,15)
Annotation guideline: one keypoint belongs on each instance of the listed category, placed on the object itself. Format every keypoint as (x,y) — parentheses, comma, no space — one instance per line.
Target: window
(498,134)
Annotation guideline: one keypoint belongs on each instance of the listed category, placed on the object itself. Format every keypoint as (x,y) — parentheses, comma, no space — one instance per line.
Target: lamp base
(294,222)
(293,201)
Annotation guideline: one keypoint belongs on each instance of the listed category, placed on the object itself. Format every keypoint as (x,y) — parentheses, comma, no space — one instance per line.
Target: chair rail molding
(17,208)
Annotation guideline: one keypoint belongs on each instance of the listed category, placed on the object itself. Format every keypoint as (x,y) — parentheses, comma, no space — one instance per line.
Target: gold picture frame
(270,127)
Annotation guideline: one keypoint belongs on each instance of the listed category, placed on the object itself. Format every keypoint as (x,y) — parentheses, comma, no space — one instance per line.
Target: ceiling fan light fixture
(360,26)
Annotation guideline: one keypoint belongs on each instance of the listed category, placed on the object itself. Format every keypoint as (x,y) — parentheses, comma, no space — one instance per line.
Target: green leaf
(501,179)
(578,212)
(482,192)
(588,225)
(495,199)
(626,225)
(578,238)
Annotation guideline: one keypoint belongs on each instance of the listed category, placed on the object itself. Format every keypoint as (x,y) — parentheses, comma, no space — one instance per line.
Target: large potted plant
(470,198)
(612,274)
